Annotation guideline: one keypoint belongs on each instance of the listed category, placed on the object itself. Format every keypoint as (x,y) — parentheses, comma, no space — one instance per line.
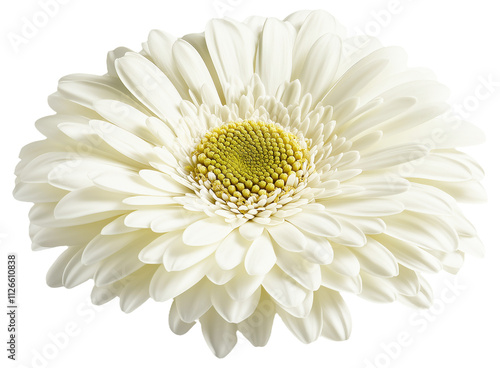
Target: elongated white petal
(304,272)
(315,25)
(283,289)
(234,311)
(288,237)
(344,262)
(320,66)
(206,231)
(336,316)
(243,285)
(279,52)
(177,325)
(375,258)
(260,257)
(194,302)
(193,70)
(410,255)
(231,251)
(337,281)
(103,246)
(306,329)
(136,291)
(320,224)
(89,201)
(232,47)
(149,85)
(179,256)
(377,289)
(166,285)
(257,327)
(219,334)
(428,232)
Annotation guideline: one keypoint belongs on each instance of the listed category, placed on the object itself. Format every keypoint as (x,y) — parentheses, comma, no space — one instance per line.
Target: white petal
(427,199)
(162,181)
(377,289)
(302,309)
(424,299)
(34,192)
(76,273)
(206,231)
(320,67)
(166,285)
(257,328)
(260,257)
(232,47)
(283,289)
(407,282)
(438,167)
(472,245)
(288,237)
(251,230)
(317,223)
(149,85)
(85,89)
(231,251)
(102,295)
(361,76)
(462,191)
(175,218)
(318,250)
(160,47)
(350,236)
(364,207)
(136,291)
(118,266)
(304,272)
(177,325)
(143,218)
(218,276)
(194,302)
(234,311)
(426,231)
(88,201)
(243,285)
(376,185)
(306,329)
(124,182)
(315,25)
(376,259)
(42,214)
(117,226)
(179,256)
(125,117)
(219,334)
(194,71)
(336,281)
(103,246)
(389,157)
(410,255)
(336,317)
(344,261)
(70,236)
(123,142)
(55,274)
(275,48)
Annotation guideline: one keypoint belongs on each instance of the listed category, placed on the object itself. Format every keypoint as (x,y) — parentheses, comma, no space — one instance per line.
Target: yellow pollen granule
(248,159)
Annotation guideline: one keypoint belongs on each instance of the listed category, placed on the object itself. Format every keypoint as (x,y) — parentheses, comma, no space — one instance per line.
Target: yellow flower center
(250,159)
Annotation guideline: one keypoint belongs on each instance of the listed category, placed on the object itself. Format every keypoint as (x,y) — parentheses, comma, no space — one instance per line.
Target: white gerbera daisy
(258,168)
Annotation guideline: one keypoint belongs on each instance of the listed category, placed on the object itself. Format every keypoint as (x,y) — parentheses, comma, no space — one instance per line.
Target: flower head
(258,168)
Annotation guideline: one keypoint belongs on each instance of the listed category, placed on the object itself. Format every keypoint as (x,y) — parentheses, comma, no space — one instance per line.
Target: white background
(457,39)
